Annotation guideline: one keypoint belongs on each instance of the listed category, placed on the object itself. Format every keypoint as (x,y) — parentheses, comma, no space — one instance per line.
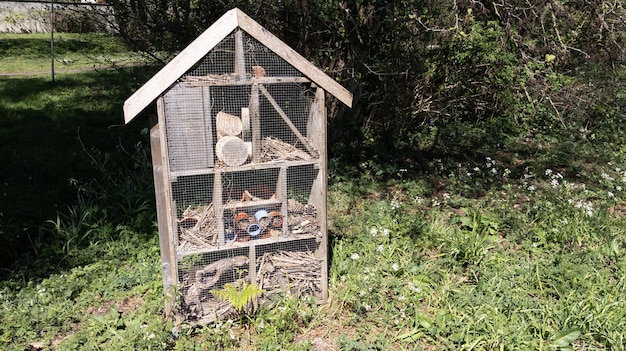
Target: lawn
(518,245)
(32,53)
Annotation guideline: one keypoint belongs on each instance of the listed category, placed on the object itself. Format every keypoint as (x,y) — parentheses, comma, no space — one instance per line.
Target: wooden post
(281,194)
(317,134)
(255,123)
(240,59)
(245,122)
(219,207)
(163,202)
(208,128)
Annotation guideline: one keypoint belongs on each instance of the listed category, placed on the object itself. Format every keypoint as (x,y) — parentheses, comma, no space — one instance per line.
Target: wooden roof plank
(188,57)
(268,39)
(195,51)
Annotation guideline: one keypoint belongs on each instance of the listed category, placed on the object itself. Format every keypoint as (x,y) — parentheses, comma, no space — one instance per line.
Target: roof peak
(205,42)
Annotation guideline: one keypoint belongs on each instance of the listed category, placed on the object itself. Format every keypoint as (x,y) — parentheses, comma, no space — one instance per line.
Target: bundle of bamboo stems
(276,149)
(296,271)
(197,228)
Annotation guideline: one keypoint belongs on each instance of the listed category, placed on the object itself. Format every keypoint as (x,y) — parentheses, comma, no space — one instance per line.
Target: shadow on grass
(49,133)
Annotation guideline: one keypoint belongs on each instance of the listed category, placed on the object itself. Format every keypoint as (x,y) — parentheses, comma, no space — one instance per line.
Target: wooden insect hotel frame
(239,163)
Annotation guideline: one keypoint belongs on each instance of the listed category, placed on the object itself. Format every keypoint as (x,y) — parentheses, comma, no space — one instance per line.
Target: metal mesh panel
(246,177)
(289,269)
(222,59)
(195,214)
(304,199)
(201,273)
(188,128)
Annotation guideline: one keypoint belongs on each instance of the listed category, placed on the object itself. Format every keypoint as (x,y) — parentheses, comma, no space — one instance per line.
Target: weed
(240,296)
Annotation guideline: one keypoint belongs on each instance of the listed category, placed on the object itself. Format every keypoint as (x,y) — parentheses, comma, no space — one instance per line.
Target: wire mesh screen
(246,177)
(202,274)
(291,269)
(222,59)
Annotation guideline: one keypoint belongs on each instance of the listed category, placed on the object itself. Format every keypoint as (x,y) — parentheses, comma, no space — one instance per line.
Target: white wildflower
(395,267)
(395,204)
(606,177)
(355,256)
(413,288)
(380,248)
(374,231)
(401,298)
(489,162)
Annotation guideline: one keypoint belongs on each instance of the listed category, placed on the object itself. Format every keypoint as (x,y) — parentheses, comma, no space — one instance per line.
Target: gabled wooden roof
(200,47)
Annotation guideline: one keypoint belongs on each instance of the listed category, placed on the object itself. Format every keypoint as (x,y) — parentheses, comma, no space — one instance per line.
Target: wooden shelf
(235,79)
(253,203)
(247,167)
(247,244)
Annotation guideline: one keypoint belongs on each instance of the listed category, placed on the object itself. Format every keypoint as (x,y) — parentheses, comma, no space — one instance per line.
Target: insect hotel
(239,162)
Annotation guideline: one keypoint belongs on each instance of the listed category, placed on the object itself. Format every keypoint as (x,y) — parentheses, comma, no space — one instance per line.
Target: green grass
(492,243)
(52,136)
(31,53)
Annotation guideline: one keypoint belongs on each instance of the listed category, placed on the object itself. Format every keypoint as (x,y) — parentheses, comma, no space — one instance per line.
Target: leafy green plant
(239,295)
(564,339)
(471,243)
(73,229)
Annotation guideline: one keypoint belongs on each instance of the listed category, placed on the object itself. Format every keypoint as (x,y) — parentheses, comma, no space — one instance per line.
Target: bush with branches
(412,64)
